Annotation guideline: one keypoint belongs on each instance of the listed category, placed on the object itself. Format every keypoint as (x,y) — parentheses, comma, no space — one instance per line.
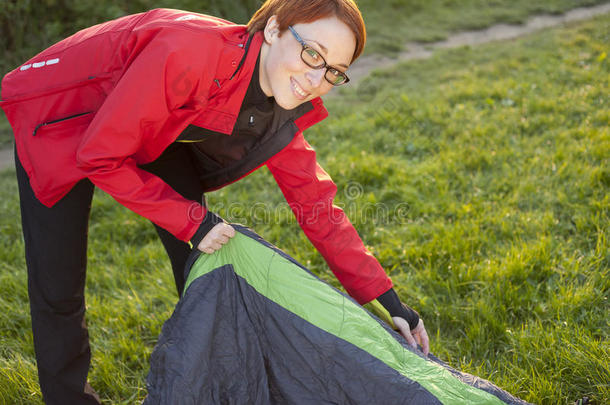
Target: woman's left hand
(416,336)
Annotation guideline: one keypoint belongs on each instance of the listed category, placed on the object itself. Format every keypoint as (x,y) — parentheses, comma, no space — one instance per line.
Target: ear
(272,29)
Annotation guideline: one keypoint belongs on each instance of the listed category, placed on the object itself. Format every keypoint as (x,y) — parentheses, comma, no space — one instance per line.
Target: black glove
(209,221)
(392,304)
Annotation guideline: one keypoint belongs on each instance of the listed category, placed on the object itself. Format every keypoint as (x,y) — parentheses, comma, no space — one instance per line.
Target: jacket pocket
(66,122)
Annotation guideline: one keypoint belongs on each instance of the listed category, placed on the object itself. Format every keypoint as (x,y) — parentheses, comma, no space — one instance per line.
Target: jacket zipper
(243,58)
(59,120)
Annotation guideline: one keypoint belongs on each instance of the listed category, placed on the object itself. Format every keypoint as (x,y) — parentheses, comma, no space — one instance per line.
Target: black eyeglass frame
(323,65)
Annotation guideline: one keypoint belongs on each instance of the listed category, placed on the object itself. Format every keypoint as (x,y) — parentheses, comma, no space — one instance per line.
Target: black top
(254,119)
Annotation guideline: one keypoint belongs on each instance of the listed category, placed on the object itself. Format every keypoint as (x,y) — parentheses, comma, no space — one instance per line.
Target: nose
(315,77)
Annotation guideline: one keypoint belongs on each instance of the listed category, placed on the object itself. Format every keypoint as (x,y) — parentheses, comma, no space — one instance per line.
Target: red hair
(290,12)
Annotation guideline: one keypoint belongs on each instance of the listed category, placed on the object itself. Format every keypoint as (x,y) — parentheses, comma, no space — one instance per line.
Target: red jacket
(115,95)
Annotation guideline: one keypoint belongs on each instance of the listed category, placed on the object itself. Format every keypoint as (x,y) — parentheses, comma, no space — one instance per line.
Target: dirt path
(363,67)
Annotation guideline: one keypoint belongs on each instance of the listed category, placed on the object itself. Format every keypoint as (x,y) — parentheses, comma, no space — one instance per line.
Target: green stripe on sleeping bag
(299,292)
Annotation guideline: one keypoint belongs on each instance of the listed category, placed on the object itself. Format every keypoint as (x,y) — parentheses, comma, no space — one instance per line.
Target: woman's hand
(404,318)
(218,236)
(415,336)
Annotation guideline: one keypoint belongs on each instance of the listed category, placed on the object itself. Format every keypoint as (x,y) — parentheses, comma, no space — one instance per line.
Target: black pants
(56,258)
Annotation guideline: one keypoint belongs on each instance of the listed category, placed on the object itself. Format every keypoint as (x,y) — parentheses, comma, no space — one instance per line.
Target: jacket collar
(231,82)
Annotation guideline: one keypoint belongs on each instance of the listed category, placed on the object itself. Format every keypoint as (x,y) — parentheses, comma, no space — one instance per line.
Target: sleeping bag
(255,327)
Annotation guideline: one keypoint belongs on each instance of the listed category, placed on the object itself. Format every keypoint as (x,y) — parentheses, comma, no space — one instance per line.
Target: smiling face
(283,73)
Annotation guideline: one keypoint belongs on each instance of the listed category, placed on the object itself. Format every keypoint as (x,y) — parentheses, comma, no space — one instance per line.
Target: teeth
(298,90)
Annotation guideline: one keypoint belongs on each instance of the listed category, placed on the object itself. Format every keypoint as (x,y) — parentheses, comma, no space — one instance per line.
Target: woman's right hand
(218,236)
(415,336)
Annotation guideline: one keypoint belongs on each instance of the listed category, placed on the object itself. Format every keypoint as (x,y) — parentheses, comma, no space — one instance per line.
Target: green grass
(480,180)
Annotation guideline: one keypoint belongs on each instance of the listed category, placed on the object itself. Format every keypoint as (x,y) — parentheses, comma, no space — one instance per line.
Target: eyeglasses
(313,59)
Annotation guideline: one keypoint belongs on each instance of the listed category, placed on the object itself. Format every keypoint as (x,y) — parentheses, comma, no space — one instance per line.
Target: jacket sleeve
(309,191)
(152,99)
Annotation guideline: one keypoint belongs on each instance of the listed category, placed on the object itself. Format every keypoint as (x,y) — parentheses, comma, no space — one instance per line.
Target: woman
(155,109)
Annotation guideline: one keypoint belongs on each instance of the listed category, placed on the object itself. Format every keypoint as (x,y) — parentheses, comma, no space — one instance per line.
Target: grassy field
(433,20)
(480,180)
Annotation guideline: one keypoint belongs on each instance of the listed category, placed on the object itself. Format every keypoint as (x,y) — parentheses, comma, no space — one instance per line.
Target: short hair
(290,12)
